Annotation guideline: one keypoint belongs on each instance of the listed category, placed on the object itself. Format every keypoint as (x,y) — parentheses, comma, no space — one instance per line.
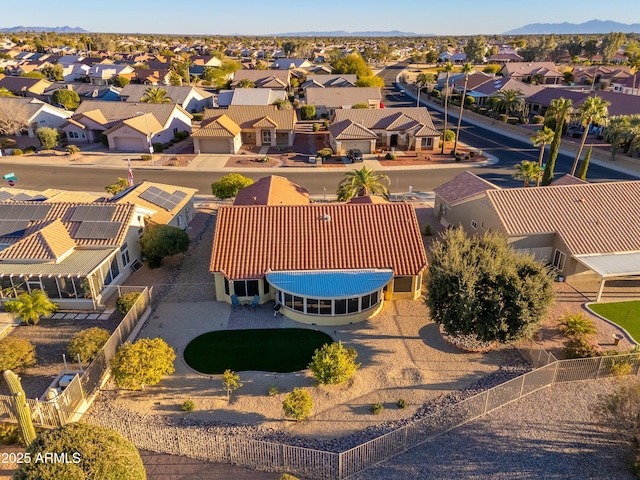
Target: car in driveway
(355,155)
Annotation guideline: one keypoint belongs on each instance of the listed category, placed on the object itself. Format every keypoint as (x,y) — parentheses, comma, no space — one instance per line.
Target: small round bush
(390,156)
(126,301)
(9,434)
(537,120)
(273,391)
(297,404)
(30,149)
(87,343)
(316,127)
(581,347)
(145,157)
(187,406)
(377,408)
(16,354)
(17,151)
(72,149)
(158,147)
(402,403)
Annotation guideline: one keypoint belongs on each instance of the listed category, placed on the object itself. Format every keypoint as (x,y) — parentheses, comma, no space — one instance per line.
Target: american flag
(129,174)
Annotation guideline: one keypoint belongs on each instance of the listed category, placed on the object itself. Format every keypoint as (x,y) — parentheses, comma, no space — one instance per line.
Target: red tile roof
(462,187)
(272,190)
(251,240)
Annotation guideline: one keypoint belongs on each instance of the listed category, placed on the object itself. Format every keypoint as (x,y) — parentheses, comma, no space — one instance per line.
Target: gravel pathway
(550,434)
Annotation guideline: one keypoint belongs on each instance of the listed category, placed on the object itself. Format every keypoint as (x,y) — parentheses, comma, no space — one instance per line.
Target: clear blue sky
(260,17)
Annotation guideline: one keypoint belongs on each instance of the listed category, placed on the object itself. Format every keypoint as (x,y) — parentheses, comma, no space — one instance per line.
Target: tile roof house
(274,79)
(86,91)
(629,85)
(25,86)
(504,58)
(104,73)
(329,81)
(291,63)
(225,130)
(250,96)
(540,72)
(272,190)
(409,128)
(327,264)
(192,99)
(128,126)
(20,115)
(490,89)
(76,251)
(577,227)
(328,100)
(619,103)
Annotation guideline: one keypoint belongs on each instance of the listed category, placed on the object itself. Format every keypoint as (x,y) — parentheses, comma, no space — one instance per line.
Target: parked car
(355,155)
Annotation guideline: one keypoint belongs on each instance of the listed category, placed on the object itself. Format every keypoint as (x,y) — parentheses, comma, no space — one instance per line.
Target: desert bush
(197,117)
(316,127)
(16,152)
(181,135)
(273,391)
(87,343)
(308,112)
(126,301)
(537,120)
(297,404)
(9,434)
(325,153)
(390,156)
(145,157)
(187,406)
(16,354)
(581,347)
(402,403)
(577,325)
(72,149)
(30,149)
(158,147)
(503,117)
(376,408)
(427,230)
(334,364)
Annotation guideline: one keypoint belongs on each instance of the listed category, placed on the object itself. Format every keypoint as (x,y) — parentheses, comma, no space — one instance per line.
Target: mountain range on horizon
(64,29)
(592,26)
(342,33)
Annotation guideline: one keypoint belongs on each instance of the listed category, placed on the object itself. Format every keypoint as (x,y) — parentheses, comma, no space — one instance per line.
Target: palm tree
(246,83)
(467,68)
(31,306)
(509,101)
(541,139)
(358,183)
(156,95)
(559,110)
(448,68)
(422,81)
(617,133)
(527,171)
(593,110)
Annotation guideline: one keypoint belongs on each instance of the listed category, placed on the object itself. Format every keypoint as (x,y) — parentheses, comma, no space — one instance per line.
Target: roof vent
(326,217)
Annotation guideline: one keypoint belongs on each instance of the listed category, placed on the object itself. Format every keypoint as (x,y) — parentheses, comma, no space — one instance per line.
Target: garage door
(214,146)
(129,144)
(363,145)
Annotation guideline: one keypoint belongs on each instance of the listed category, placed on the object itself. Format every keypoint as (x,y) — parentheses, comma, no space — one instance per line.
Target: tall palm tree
(422,80)
(617,133)
(593,110)
(541,139)
(560,110)
(156,95)
(31,306)
(509,101)
(467,68)
(527,171)
(448,68)
(366,181)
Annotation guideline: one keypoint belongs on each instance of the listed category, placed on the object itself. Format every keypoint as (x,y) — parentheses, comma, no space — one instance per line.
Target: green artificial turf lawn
(625,314)
(266,350)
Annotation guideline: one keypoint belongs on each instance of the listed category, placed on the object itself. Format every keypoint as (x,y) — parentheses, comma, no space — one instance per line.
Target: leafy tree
(29,307)
(448,68)
(593,111)
(209,74)
(353,64)
(87,343)
(541,138)
(119,186)
(156,95)
(559,111)
(584,166)
(142,363)
(246,83)
(230,382)
(359,183)
(126,301)
(283,104)
(48,137)
(33,74)
(53,72)
(229,185)
(175,80)
(480,286)
(5,93)
(360,106)
(159,241)
(617,133)
(333,363)
(448,136)
(16,353)
(370,81)
(611,43)
(475,49)
(467,68)
(94,453)
(120,81)
(297,404)
(493,68)
(308,112)
(527,171)
(66,97)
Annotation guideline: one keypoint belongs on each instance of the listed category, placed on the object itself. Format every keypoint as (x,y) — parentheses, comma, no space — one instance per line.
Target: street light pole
(418,100)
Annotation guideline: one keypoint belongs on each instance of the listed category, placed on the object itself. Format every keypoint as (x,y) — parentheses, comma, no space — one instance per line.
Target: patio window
(340,306)
(403,284)
(7,287)
(558,259)
(124,253)
(265,286)
(66,288)
(50,287)
(312,305)
(245,288)
(298,304)
(226,286)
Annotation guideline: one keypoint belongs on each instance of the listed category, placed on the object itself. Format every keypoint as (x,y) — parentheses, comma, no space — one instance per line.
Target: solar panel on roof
(80,213)
(180,194)
(40,212)
(106,213)
(160,198)
(97,230)
(15,212)
(13,228)
(4,195)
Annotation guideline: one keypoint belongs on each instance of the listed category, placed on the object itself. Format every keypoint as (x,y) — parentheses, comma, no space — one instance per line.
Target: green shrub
(581,347)
(537,120)
(376,408)
(621,368)
(325,152)
(197,117)
(273,391)
(182,135)
(513,120)
(297,404)
(436,93)
(427,230)
(187,406)
(449,135)
(308,112)
(16,152)
(87,343)
(316,127)
(158,147)
(72,149)
(326,124)
(145,157)
(577,325)
(30,149)
(9,434)
(16,353)
(402,403)
(467,157)
(472,154)
(8,143)
(126,301)
(334,364)
(390,156)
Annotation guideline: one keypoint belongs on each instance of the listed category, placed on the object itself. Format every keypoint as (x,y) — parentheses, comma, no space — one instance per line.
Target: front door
(393,141)
(266,137)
